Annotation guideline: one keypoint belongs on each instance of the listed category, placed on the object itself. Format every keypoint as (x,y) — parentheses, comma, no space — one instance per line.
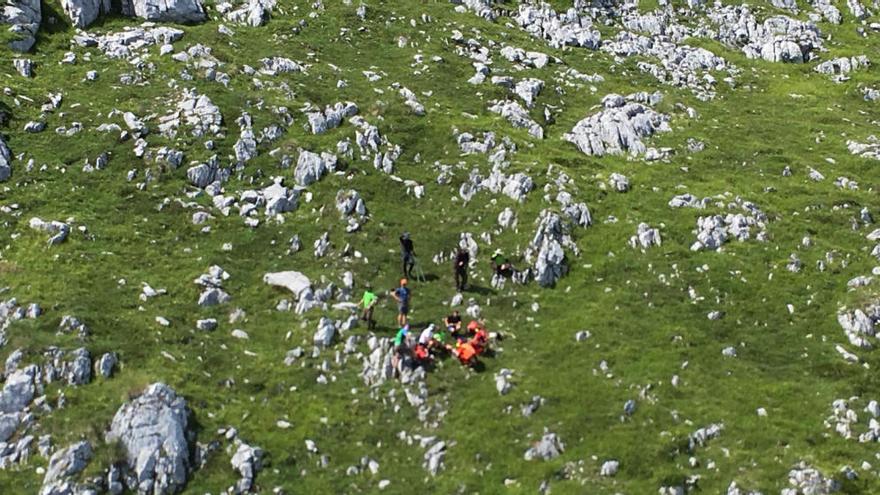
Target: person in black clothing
(453,324)
(501,265)
(407,254)
(462,258)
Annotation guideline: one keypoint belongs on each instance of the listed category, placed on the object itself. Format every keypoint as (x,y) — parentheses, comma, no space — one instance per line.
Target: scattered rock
(549,447)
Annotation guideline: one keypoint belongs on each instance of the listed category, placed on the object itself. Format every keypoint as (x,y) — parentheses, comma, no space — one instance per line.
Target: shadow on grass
(477,289)
(59,21)
(5,115)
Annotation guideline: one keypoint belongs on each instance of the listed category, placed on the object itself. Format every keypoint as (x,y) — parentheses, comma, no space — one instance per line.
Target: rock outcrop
(23,18)
(153,430)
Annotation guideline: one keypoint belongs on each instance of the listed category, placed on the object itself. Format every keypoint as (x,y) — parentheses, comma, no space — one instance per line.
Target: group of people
(401,294)
(465,345)
(501,265)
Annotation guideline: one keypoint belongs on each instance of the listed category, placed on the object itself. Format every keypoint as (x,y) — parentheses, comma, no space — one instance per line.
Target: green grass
(645,327)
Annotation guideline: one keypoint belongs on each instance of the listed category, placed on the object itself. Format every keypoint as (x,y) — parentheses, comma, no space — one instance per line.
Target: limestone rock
(178,11)
(619,128)
(549,447)
(84,12)
(63,464)
(153,430)
(23,18)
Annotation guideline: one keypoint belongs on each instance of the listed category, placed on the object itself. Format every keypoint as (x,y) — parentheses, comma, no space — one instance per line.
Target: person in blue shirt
(403,296)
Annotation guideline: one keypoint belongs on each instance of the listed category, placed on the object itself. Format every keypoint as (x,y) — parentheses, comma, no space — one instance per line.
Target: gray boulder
(324,334)
(609,468)
(620,127)
(559,29)
(645,237)
(153,430)
(79,372)
(246,146)
(18,391)
(528,90)
(322,121)
(23,18)
(549,447)
(295,282)
(213,296)
(247,461)
(8,424)
(545,251)
(517,116)
(843,65)
(84,12)
(311,166)
(179,11)
(106,364)
(349,202)
(253,13)
(24,66)
(62,465)
(785,4)
(5,161)
(59,230)
(201,175)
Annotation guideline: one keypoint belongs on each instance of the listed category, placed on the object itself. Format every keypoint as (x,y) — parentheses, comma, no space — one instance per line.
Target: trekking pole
(420,275)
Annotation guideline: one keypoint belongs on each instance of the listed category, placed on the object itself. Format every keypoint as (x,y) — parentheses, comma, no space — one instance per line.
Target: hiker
(401,346)
(501,265)
(466,354)
(403,296)
(407,254)
(427,335)
(479,336)
(425,343)
(462,259)
(438,341)
(368,301)
(422,354)
(453,323)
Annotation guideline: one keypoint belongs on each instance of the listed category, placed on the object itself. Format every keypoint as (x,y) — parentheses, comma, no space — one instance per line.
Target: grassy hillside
(635,303)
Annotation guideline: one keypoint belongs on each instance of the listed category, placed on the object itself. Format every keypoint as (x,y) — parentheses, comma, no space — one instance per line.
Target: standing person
(368,301)
(403,296)
(407,254)
(462,259)
(401,347)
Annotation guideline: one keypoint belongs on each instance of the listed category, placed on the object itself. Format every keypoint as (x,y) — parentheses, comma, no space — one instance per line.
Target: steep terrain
(193,195)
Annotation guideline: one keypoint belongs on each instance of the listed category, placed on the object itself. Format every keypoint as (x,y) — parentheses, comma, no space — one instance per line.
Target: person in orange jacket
(466,354)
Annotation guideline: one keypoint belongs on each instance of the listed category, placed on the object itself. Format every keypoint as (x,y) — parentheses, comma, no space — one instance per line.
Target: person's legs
(464,278)
(457,279)
(395,361)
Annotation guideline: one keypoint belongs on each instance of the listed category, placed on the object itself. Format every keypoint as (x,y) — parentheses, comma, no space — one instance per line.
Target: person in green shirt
(501,265)
(400,338)
(368,301)
(401,347)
